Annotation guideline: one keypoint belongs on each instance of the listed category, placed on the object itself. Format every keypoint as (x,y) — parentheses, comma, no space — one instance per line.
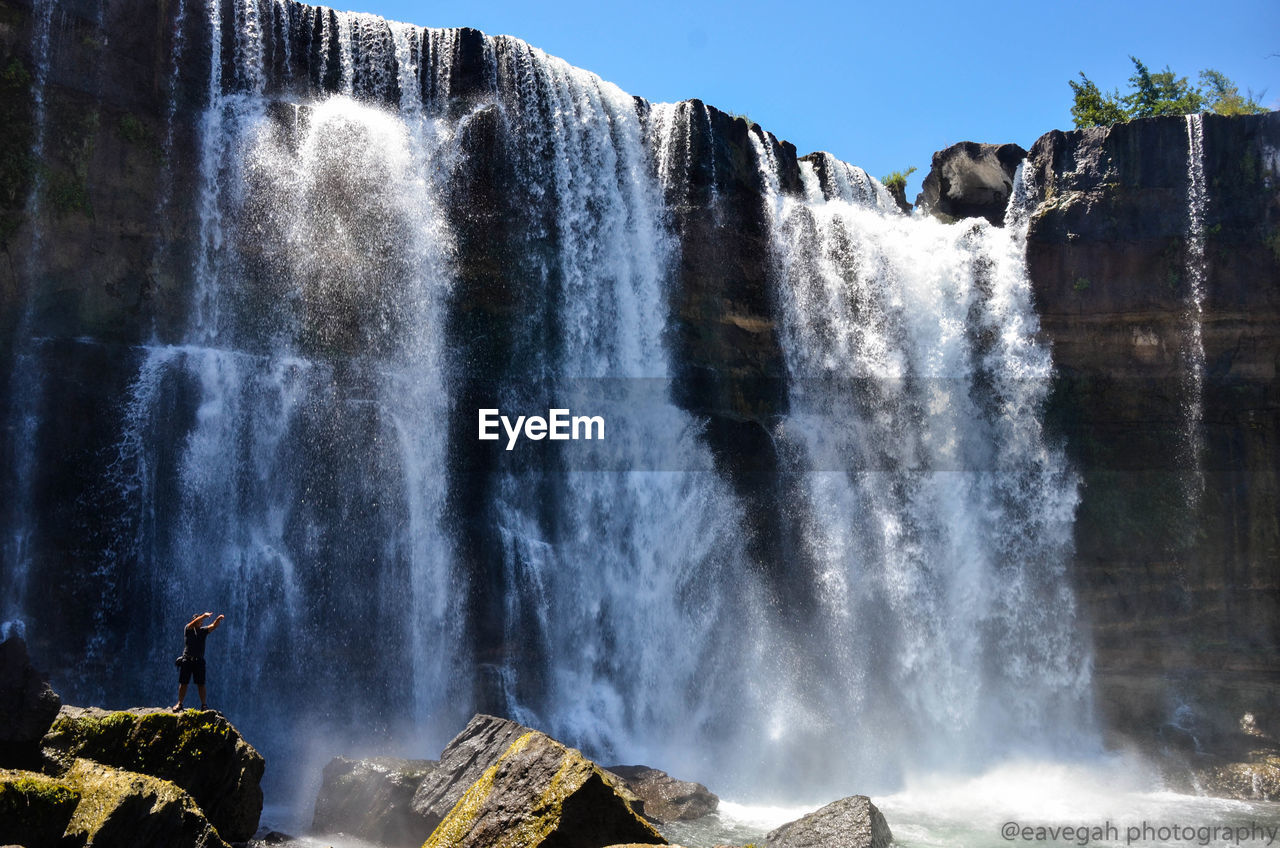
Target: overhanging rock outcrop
(971,180)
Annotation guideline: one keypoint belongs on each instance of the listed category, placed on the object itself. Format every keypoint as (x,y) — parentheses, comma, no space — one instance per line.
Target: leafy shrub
(1160,93)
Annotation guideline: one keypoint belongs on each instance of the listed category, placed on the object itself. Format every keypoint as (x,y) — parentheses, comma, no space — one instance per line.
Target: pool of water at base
(1109,804)
(1026,805)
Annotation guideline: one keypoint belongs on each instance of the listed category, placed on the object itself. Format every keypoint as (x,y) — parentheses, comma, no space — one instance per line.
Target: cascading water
(317,306)
(1193,365)
(623,579)
(25,382)
(301,455)
(938,516)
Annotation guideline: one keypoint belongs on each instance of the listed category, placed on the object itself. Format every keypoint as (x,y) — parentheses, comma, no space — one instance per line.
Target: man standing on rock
(191,663)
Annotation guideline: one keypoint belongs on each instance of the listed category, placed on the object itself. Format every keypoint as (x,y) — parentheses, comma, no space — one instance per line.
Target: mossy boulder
(127,809)
(372,799)
(201,752)
(462,762)
(34,808)
(542,794)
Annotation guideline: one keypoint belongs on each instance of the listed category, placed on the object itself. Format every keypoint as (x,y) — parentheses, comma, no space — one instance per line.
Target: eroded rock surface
(852,822)
(373,799)
(541,793)
(34,808)
(1175,546)
(666,798)
(200,752)
(971,180)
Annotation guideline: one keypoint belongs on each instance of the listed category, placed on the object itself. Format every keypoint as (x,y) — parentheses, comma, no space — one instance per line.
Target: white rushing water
(938,516)
(625,582)
(1108,803)
(287,457)
(1196,272)
(317,234)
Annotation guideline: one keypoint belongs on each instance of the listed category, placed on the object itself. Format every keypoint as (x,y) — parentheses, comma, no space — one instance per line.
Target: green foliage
(34,809)
(1222,95)
(68,193)
(1092,108)
(1160,93)
(897,179)
(132,130)
(1081,284)
(1273,242)
(17,170)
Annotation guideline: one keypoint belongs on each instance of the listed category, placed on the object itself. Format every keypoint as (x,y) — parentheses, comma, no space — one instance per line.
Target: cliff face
(1177,569)
(1178,532)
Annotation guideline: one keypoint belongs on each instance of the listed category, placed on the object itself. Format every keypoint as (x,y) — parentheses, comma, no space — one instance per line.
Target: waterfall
(1193,359)
(937,514)
(26,383)
(393,226)
(309,368)
(627,580)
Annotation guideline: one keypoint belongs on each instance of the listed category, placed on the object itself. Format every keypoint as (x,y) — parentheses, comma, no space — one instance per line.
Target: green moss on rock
(122,808)
(542,793)
(201,752)
(34,808)
(17,168)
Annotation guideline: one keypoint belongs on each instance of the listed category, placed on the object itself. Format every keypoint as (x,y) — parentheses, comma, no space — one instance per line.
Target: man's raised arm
(199,618)
(216,622)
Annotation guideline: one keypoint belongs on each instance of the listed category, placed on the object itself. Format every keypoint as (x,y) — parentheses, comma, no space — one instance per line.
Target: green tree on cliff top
(1160,93)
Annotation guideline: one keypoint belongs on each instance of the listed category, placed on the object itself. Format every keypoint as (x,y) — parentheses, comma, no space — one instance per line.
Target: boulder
(201,752)
(34,808)
(971,180)
(852,822)
(276,839)
(127,809)
(373,799)
(541,793)
(27,702)
(665,798)
(462,762)
(1255,779)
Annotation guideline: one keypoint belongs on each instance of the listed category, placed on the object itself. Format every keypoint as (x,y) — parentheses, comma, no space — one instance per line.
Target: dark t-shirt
(193,642)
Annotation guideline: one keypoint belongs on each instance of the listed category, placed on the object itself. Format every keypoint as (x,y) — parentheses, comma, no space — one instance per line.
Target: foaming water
(938,517)
(1111,802)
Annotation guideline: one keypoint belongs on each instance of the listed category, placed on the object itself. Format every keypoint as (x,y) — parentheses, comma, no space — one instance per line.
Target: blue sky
(880,85)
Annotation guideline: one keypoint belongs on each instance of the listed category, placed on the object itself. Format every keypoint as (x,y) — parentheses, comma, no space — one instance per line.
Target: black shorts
(191,669)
